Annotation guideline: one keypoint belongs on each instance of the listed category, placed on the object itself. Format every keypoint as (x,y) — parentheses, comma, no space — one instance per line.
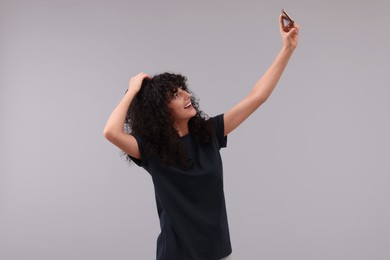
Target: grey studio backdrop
(306,177)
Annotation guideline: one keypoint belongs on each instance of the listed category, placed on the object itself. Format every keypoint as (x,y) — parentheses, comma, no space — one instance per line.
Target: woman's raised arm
(266,84)
(113,130)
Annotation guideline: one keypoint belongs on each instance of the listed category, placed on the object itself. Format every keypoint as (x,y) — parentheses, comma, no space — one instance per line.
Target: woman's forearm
(266,84)
(117,118)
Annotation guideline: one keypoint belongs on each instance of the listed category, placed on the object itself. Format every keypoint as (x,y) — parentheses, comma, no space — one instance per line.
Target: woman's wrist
(287,48)
(131,91)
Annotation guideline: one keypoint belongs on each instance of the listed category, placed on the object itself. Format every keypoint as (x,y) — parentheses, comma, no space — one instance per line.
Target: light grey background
(306,177)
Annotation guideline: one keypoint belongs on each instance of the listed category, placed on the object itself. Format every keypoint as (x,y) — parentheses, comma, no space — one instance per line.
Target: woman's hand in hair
(136,82)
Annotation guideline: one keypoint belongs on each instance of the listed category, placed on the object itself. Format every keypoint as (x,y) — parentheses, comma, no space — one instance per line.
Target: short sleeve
(220,131)
(139,162)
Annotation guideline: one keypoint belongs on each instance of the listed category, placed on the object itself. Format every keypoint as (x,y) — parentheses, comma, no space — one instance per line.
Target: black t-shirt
(191,203)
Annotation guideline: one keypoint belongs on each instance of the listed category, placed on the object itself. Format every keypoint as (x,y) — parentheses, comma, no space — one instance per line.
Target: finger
(297,26)
(145,76)
(281,24)
(292,31)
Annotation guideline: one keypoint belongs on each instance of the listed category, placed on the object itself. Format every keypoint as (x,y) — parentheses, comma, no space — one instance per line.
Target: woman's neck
(182,128)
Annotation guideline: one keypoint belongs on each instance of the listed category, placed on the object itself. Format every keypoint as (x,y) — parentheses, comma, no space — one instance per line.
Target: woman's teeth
(188,105)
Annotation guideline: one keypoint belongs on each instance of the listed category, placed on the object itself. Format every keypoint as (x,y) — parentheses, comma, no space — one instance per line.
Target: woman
(175,142)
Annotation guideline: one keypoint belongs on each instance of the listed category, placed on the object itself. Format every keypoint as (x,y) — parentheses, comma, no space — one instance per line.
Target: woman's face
(181,107)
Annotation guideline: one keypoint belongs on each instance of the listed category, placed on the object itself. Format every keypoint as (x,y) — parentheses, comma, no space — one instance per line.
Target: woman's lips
(189,105)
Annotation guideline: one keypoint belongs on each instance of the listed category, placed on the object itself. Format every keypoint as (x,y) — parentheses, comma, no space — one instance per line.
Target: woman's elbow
(108,134)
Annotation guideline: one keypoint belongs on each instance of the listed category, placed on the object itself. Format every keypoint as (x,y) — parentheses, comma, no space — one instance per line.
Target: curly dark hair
(150,118)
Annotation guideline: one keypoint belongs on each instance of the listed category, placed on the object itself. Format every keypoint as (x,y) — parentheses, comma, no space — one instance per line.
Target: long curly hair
(150,118)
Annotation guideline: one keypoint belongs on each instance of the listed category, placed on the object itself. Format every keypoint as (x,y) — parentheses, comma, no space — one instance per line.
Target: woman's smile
(189,105)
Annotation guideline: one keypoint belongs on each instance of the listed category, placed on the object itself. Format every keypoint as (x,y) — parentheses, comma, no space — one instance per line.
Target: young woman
(179,146)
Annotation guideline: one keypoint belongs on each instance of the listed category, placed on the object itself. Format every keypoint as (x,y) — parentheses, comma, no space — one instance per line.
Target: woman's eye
(176,95)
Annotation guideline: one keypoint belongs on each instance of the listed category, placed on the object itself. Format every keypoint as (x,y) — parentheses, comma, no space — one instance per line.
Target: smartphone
(287,17)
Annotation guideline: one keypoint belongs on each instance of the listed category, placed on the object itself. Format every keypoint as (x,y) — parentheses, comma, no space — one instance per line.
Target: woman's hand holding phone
(288,31)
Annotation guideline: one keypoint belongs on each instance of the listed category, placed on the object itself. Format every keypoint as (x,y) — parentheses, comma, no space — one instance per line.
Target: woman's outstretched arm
(266,84)
(113,130)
